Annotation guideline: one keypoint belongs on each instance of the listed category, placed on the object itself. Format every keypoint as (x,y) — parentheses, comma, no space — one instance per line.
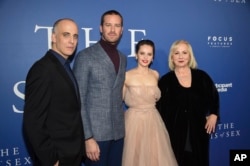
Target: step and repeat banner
(218,30)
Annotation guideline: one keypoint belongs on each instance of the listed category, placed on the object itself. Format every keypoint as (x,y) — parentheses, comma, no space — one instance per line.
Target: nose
(112,28)
(180,55)
(72,39)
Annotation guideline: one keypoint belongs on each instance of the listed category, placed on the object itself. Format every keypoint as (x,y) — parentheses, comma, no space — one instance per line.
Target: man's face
(65,38)
(112,28)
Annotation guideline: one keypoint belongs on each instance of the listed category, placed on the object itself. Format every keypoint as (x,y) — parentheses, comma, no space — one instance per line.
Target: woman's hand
(211,123)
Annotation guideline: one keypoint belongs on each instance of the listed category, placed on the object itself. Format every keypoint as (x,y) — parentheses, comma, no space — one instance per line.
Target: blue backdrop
(219,31)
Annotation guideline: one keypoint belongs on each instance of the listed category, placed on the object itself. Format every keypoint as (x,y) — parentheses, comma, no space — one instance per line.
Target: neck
(142,70)
(182,70)
(105,42)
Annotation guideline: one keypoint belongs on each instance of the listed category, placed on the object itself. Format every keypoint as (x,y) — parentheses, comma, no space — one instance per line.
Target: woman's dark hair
(145,42)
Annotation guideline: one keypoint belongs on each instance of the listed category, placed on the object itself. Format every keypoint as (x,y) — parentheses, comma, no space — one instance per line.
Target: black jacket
(52,121)
(185,109)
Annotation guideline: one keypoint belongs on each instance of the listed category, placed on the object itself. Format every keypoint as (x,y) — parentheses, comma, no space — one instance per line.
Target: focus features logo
(220,41)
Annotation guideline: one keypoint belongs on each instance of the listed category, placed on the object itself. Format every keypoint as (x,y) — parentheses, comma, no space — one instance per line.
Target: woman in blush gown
(146,141)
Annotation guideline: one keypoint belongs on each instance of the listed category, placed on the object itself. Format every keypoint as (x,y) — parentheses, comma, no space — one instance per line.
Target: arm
(124,87)
(81,70)
(212,104)
(156,74)
(214,110)
(37,99)
(124,91)
(161,103)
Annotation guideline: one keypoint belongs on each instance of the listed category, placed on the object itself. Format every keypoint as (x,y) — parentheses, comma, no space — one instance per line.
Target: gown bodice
(141,96)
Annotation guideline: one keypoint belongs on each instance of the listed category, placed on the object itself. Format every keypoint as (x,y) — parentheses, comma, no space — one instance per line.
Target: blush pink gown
(146,141)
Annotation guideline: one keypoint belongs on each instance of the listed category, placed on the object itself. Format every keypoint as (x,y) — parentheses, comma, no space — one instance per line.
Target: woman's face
(145,55)
(181,56)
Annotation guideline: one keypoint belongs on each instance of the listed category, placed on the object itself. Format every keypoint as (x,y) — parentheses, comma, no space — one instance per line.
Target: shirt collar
(59,57)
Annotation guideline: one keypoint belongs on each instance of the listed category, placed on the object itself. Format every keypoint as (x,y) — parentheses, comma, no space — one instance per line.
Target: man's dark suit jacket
(52,121)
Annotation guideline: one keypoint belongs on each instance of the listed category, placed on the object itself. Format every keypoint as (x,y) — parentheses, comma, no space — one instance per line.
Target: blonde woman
(189,106)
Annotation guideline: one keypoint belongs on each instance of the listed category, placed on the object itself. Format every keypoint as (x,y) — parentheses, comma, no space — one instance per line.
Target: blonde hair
(192,63)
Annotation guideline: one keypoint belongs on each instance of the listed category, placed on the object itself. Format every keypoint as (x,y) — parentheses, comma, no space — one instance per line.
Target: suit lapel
(120,71)
(109,66)
(62,71)
(107,61)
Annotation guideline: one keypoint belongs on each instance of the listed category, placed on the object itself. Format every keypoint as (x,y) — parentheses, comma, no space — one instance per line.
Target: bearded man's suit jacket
(101,93)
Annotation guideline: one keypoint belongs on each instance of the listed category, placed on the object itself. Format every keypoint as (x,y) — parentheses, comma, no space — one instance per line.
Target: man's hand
(92,149)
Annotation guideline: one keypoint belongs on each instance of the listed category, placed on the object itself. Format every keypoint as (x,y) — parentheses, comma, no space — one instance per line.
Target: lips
(71,48)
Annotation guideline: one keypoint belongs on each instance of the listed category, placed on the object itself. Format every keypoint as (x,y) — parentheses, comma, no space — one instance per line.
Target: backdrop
(218,30)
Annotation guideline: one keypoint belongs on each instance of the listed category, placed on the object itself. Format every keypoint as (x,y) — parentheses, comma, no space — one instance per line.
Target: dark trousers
(111,154)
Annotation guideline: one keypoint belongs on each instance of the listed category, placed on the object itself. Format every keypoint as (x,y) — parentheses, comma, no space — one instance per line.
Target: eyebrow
(68,33)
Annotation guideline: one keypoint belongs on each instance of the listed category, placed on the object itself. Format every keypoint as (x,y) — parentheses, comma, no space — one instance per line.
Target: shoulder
(168,75)
(91,49)
(42,67)
(85,55)
(121,54)
(130,75)
(130,72)
(155,73)
(46,60)
(167,79)
(200,73)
